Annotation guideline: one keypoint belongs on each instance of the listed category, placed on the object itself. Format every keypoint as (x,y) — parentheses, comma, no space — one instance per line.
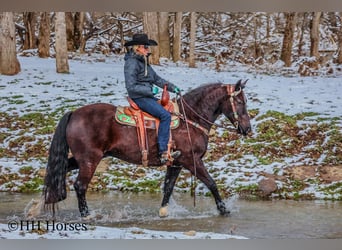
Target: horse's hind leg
(72,164)
(86,172)
(169,183)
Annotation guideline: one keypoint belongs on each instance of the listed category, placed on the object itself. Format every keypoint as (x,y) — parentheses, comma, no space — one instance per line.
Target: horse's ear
(240,85)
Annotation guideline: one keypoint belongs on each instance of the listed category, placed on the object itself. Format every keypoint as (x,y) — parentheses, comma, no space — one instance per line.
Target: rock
(103,165)
(267,186)
(301,172)
(190,233)
(330,174)
(41,172)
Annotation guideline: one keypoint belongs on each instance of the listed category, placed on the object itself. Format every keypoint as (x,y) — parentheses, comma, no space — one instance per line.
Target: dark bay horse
(91,133)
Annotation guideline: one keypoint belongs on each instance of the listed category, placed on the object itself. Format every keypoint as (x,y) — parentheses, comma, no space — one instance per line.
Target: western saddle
(133,116)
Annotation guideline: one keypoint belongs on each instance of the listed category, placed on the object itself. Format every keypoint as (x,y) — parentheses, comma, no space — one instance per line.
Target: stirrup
(164,157)
(175,154)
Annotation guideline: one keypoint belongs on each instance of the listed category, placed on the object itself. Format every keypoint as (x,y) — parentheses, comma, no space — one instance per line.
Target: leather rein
(231,94)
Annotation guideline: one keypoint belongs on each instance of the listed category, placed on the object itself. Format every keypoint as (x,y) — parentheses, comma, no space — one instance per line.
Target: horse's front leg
(204,176)
(221,206)
(169,183)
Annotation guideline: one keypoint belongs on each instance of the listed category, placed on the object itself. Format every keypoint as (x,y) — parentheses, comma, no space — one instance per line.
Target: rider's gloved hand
(155,90)
(177,90)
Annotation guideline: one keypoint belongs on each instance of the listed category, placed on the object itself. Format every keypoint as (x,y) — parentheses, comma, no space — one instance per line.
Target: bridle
(231,94)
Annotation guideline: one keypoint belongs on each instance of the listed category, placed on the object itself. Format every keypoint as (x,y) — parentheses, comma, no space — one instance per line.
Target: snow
(90,81)
(100,79)
(96,232)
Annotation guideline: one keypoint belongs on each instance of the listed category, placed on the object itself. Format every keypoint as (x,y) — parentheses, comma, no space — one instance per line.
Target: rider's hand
(177,90)
(155,90)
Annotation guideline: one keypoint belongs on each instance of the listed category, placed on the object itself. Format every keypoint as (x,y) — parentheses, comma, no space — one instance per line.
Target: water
(253,219)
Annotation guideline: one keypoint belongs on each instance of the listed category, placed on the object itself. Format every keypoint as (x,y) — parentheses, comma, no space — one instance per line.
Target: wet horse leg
(86,172)
(204,176)
(169,183)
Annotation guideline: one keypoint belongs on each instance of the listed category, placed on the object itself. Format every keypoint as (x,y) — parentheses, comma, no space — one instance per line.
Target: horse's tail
(54,183)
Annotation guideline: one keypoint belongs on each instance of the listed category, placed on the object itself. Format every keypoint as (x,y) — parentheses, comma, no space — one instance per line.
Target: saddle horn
(165,98)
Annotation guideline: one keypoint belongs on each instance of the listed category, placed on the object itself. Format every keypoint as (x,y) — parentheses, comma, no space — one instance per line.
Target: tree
(69,21)
(78,30)
(177,29)
(286,50)
(9,64)
(301,31)
(62,65)
(164,34)
(150,20)
(339,57)
(30,41)
(44,36)
(314,34)
(193,27)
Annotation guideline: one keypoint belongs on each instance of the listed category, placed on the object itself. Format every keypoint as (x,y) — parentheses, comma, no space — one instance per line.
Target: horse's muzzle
(243,130)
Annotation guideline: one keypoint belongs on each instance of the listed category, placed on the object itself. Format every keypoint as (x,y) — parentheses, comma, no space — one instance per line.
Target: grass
(276,137)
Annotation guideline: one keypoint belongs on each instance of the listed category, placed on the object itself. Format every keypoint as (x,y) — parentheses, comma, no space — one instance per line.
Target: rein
(192,149)
(231,94)
(199,116)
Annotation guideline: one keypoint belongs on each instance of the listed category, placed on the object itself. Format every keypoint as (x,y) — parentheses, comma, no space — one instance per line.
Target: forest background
(301,43)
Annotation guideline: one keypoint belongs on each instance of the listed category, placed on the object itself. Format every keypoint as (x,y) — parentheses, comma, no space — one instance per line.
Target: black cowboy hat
(141,39)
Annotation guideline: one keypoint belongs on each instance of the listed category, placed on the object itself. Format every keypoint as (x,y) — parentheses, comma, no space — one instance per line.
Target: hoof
(34,208)
(225,213)
(87,217)
(163,212)
(85,214)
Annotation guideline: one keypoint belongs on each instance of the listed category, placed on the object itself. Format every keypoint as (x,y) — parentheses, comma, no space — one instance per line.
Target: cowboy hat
(140,39)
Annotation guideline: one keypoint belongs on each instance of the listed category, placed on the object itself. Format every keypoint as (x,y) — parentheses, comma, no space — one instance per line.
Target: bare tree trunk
(164,35)
(62,65)
(286,51)
(177,30)
(301,37)
(314,34)
(332,17)
(151,29)
(257,48)
(44,35)
(268,26)
(339,57)
(69,21)
(78,30)
(193,27)
(30,41)
(9,64)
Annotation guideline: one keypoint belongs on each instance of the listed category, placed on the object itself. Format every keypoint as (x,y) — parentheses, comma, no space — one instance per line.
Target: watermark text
(50,226)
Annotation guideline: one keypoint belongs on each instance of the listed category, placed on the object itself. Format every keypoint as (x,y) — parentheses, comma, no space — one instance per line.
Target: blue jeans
(151,106)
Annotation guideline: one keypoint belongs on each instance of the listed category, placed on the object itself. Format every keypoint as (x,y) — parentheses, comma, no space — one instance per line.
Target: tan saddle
(133,116)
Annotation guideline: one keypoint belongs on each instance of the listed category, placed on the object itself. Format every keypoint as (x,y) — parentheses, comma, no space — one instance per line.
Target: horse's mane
(194,95)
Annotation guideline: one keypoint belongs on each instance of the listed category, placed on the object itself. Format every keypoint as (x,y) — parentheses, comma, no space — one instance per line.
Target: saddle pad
(150,122)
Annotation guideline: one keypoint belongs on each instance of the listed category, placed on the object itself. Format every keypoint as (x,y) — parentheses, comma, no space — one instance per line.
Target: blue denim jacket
(140,77)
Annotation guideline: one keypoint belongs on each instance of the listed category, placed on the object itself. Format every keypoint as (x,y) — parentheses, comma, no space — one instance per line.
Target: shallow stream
(252,219)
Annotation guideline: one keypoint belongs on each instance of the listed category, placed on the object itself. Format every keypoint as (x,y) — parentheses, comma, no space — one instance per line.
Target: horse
(90,133)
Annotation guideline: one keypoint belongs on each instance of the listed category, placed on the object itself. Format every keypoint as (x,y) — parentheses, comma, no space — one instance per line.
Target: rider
(140,79)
